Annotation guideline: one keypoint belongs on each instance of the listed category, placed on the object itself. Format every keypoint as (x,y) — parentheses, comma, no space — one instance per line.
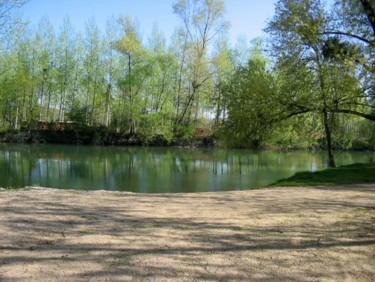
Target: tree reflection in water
(155,170)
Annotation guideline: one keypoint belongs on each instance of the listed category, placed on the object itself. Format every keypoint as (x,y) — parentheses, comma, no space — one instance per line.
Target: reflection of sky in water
(155,169)
(314,166)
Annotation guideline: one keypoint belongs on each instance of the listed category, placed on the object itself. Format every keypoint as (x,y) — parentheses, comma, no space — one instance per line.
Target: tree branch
(348,35)
(352,112)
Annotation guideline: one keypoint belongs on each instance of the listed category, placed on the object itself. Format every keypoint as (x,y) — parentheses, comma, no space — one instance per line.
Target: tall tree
(93,67)
(224,66)
(203,21)
(66,66)
(46,44)
(112,34)
(302,47)
(160,88)
(136,71)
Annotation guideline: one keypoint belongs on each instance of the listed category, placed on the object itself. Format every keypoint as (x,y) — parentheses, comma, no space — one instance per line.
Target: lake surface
(155,170)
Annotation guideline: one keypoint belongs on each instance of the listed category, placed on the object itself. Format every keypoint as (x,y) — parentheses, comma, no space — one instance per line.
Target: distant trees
(318,85)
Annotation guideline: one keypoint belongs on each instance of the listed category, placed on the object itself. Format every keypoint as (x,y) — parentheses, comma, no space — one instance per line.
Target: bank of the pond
(101,136)
(200,137)
(342,175)
(290,234)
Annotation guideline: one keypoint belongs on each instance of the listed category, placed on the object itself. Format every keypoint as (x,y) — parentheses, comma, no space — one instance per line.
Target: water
(155,170)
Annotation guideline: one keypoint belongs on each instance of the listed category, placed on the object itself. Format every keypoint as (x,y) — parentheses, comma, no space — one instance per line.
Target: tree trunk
(331,160)
(16,117)
(107,117)
(87,100)
(41,102)
(62,102)
(132,127)
(48,102)
(218,107)
(369,9)
(187,107)
(24,106)
(93,122)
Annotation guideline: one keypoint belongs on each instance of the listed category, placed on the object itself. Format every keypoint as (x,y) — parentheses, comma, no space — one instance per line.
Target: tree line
(310,83)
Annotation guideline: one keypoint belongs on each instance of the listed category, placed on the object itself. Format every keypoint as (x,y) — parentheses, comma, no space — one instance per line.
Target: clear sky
(247,17)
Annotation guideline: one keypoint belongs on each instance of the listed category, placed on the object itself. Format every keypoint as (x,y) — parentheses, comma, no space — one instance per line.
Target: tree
(351,34)
(11,33)
(45,42)
(300,46)
(10,19)
(137,70)
(248,95)
(224,64)
(26,75)
(93,70)
(112,34)
(354,19)
(203,20)
(67,66)
(157,119)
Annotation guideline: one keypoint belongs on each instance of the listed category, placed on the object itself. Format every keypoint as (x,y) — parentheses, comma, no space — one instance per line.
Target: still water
(155,170)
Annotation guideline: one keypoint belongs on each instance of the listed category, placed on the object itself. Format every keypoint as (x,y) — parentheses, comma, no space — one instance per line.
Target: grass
(349,174)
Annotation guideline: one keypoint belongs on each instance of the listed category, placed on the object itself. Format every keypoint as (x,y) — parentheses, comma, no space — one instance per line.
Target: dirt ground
(293,234)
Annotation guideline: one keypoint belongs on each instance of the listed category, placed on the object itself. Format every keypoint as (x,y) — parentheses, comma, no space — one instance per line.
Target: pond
(155,170)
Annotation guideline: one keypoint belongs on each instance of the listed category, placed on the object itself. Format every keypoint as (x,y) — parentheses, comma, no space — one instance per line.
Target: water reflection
(155,170)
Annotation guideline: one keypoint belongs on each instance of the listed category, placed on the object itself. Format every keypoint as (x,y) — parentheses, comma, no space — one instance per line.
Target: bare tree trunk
(62,101)
(48,104)
(331,160)
(24,106)
(16,118)
(187,107)
(218,108)
(41,102)
(87,101)
(107,105)
(132,123)
(93,102)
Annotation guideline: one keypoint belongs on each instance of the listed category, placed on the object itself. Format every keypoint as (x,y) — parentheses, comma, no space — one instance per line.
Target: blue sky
(247,17)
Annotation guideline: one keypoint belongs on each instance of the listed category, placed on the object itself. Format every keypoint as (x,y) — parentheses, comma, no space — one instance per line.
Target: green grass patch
(349,174)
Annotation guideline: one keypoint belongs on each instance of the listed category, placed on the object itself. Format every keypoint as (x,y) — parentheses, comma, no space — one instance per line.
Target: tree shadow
(190,237)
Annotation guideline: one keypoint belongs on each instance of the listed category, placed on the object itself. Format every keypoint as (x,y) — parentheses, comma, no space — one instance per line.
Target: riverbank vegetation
(309,84)
(343,175)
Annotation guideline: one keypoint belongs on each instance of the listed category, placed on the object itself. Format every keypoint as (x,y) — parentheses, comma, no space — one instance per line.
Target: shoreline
(98,136)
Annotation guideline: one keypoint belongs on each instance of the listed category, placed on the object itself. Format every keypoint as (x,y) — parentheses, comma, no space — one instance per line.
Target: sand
(290,234)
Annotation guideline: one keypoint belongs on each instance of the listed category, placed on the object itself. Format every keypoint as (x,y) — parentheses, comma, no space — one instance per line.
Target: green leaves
(249,104)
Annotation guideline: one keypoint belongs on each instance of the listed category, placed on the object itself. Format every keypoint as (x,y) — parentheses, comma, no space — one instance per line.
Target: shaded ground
(294,234)
(342,175)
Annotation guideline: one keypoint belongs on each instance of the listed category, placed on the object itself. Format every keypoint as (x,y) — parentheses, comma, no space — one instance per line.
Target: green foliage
(78,114)
(319,82)
(184,132)
(300,132)
(248,95)
(334,49)
(316,70)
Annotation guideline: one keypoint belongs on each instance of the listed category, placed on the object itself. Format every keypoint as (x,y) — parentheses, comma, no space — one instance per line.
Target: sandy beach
(290,234)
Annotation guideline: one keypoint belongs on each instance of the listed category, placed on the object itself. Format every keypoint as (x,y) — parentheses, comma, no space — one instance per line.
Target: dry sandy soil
(293,234)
